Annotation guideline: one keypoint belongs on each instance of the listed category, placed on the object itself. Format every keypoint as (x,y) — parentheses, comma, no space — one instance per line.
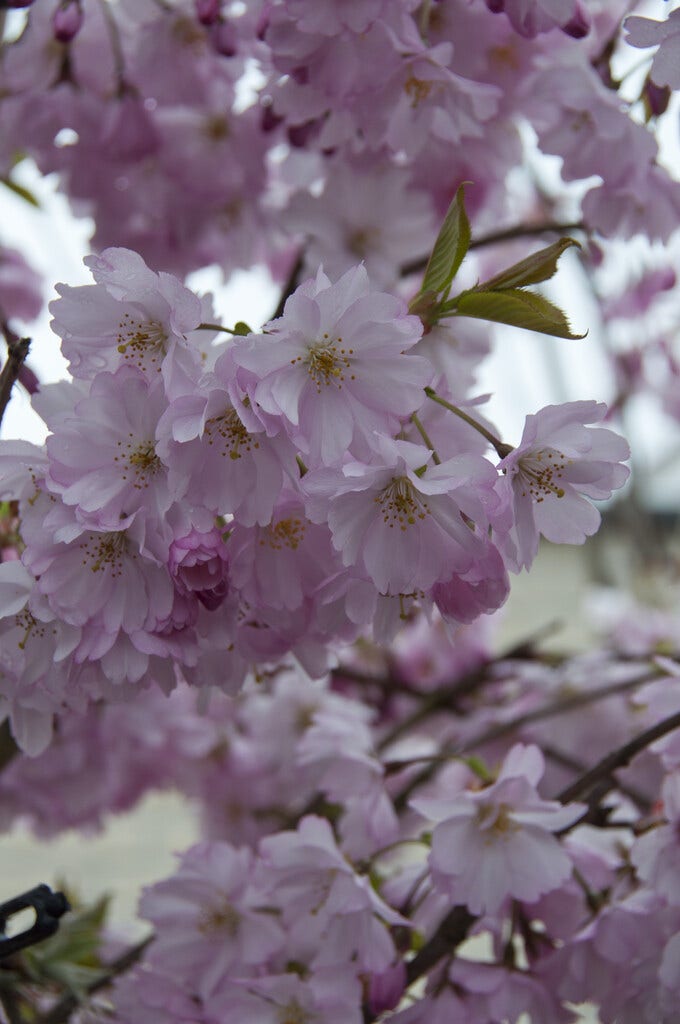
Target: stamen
(540,472)
(140,462)
(288,533)
(401,505)
(326,362)
(228,431)
(143,343)
(104,552)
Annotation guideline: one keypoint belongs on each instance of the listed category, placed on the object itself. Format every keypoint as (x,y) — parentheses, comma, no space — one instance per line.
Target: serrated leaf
(21,191)
(514,307)
(540,266)
(453,241)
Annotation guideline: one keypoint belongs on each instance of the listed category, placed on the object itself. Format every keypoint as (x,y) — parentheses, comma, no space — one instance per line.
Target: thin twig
(452,750)
(17,350)
(505,235)
(602,771)
(290,285)
(450,933)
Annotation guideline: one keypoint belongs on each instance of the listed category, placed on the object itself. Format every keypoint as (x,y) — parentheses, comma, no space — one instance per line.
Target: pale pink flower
(103,456)
(199,564)
(320,894)
(282,565)
(333,997)
(210,920)
(557,466)
(644,32)
(334,366)
(218,451)
(366,211)
(403,529)
(131,315)
(656,853)
(497,842)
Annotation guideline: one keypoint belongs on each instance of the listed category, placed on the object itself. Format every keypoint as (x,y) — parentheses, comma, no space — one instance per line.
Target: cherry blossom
(498,843)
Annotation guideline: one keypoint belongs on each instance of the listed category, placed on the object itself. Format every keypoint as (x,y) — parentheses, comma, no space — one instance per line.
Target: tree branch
(602,771)
(17,350)
(505,235)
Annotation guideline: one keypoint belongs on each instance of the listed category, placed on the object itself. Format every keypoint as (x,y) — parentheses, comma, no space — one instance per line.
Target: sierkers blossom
(559,464)
(644,32)
(334,366)
(130,316)
(208,917)
(497,842)
(406,530)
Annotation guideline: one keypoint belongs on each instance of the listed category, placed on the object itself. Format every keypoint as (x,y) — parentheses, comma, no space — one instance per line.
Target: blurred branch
(505,235)
(603,770)
(17,350)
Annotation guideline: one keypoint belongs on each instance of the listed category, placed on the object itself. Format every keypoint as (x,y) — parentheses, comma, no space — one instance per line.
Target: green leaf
(541,266)
(514,307)
(476,765)
(453,241)
(242,329)
(21,191)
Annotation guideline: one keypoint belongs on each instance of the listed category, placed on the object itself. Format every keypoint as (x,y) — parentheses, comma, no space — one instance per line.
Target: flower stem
(423,433)
(502,448)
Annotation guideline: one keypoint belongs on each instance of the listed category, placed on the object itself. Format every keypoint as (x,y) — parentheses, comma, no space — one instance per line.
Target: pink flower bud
(579,25)
(387,988)
(198,563)
(207,11)
(67,20)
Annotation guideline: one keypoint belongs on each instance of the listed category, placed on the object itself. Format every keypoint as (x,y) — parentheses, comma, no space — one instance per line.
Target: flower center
(326,362)
(233,434)
(401,505)
(142,460)
(104,551)
(293,1013)
(417,89)
(496,821)
(288,533)
(26,621)
(540,473)
(142,343)
(222,918)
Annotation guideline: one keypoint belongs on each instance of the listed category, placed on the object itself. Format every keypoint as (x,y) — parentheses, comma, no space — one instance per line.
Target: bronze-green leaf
(450,248)
(515,307)
(540,266)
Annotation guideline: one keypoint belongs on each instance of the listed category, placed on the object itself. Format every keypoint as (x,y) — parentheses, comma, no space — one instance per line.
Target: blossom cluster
(229,133)
(201,509)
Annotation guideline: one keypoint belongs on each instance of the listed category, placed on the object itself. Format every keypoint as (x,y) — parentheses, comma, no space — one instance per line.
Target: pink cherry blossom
(405,529)
(497,842)
(334,366)
(559,463)
(644,32)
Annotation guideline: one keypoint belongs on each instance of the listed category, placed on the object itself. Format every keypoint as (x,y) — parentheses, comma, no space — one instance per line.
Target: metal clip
(49,907)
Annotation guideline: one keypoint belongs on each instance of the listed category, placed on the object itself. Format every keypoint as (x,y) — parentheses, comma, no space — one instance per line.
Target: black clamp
(48,906)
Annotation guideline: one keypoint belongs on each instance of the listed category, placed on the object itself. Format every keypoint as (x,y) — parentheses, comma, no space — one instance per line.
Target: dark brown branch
(290,286)
(450,933)
(17,350)
(602,772)
(451,750)
(62,1010)
(505,235)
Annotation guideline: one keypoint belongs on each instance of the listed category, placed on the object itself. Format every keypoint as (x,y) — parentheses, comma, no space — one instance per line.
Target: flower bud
(67,20)
(579,25)
(207,11)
